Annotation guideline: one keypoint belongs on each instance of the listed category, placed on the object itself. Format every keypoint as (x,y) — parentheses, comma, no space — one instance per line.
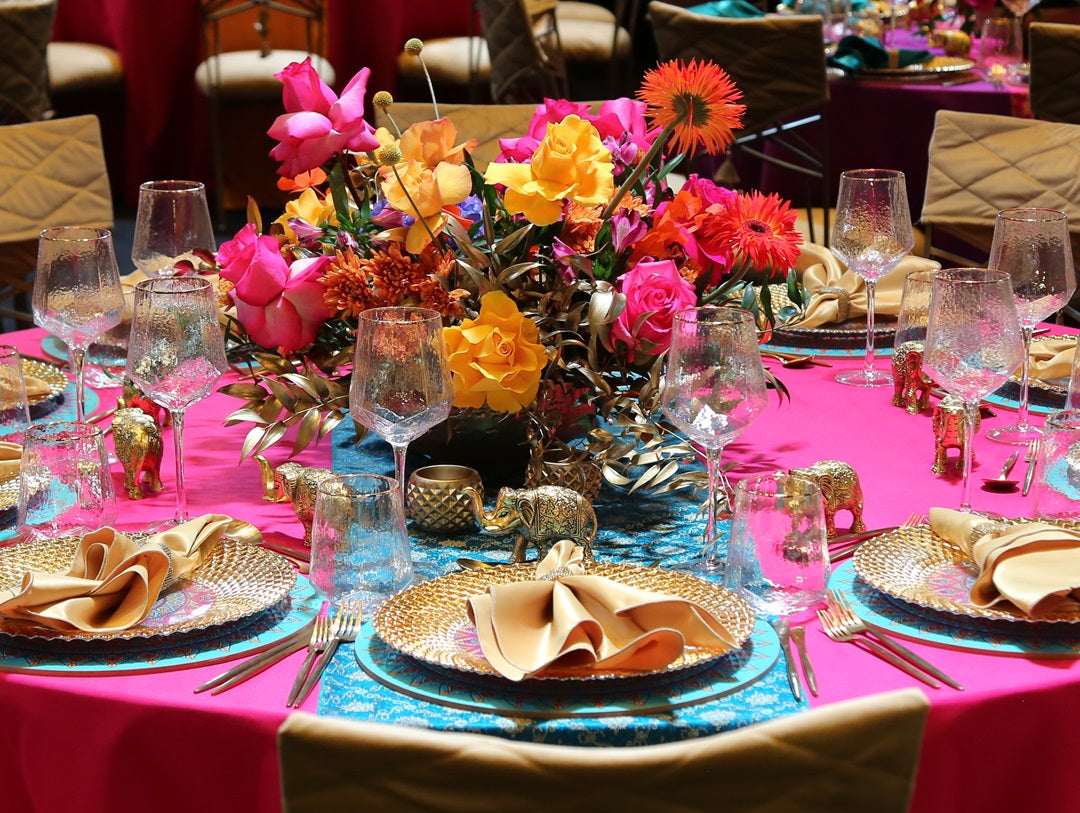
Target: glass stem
(716,483)
(868,359)
(399,467)
(971,415)
(1025,379)
(78,362)
(178,445)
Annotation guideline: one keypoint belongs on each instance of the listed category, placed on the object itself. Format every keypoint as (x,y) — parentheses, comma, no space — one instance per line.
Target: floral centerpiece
(557,269)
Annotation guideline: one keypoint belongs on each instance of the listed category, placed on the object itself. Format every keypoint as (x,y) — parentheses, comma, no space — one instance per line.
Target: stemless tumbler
(14,407)
(1057,494)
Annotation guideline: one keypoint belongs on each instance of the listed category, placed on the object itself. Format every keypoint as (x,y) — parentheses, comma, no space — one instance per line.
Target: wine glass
(401,384)
(172,221)
(871,235)
(176,354)
(1001,48)
(77,293)
(973,343)
(714,388)
(1021,71)
(1032,246)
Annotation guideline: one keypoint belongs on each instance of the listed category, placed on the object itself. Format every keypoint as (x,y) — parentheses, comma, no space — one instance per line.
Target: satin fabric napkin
(855,54)
(571,620)
(113,581)
(10,456)
(1052,358)
(1034,565)
(837,294)
(727,8)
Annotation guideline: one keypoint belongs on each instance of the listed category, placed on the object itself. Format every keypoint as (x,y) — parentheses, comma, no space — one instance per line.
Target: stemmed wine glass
(871,235)
(714,388)
(77,293)
(401,384)
(973,343)
(1032,246)
(172,221)
(1022,70)
(175,355)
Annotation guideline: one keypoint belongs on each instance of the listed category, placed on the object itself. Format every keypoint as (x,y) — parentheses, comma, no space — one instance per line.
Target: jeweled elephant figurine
(948,424)
(291,482)
(911,389)
(541,515)
(138,445)
(840,491)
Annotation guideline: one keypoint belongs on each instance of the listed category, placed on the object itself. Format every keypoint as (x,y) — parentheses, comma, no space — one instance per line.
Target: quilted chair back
(1055,71)
(981,164)
(523,49)
(25,31)
(847,757)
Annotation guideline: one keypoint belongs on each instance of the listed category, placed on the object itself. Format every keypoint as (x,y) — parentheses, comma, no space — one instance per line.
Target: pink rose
(317,124)
(654,292)
(254,265)
(292,318)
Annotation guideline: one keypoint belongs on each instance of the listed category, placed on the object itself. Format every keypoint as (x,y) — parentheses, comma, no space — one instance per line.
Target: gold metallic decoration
(235,581)
(138,445)
(541,515)
(52,375)
(429,621)
(437,499)
(918,566)
(558,466)
(843,301)
(291,482)
(911,388)
(948,426)
(935,66)
(840,490)
(9,493)
(954,43)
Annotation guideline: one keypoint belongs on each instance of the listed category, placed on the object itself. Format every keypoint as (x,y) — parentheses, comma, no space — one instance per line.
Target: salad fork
(346,626)
(842,547)
(320,637)
(833,628)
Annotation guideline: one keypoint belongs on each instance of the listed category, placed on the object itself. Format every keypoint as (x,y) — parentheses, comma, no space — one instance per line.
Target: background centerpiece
(557,269)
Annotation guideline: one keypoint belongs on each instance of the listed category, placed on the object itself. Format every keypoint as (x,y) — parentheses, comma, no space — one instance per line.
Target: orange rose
(496,357)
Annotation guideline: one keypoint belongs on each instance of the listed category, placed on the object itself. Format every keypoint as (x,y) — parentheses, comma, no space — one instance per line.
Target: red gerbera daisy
(699,98)
(761,228)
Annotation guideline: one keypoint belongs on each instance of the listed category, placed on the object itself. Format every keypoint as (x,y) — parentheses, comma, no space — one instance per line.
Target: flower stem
(639,170)
(416,209)
(347,178)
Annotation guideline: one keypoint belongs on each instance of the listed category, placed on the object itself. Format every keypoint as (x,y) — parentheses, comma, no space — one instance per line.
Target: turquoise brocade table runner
(635,530)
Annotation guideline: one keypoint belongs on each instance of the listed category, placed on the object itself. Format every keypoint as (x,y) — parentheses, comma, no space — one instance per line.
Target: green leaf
(339,192)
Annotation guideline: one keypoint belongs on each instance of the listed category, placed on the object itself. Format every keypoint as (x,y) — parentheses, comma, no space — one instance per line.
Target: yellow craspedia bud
(414,46)
(388,155)
(382,99)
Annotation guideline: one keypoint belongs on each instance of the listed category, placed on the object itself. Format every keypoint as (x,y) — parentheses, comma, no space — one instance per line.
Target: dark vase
(494,443)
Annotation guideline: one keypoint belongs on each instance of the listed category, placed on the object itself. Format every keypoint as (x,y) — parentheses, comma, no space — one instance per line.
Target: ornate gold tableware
(935,66)
(916,565)
(840,490)
(948,425)
(539,516)
(138,444)
(437,500)
(561,467)
(291,482)
(429,621)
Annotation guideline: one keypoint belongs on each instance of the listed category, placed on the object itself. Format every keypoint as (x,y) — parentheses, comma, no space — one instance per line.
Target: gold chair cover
(1055,71)
(25,31)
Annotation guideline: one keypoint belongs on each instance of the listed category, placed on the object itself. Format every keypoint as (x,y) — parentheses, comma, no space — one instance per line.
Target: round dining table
(143,739)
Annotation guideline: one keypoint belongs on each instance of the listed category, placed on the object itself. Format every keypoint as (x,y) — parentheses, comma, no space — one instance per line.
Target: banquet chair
(778,63)
(52,173)
(246,42)
(25,30)
(1055,71)
(857,755)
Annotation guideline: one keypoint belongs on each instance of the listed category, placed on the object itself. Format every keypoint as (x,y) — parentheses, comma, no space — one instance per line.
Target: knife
(783,632)
(798,637)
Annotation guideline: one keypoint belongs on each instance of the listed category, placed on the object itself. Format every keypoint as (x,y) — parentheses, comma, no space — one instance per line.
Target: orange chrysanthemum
(390,276)
(699,99)
(581,224)
(762,228)
(347,286)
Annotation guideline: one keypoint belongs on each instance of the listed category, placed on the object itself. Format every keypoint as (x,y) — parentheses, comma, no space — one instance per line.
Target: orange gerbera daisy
(699,99)
(762,228)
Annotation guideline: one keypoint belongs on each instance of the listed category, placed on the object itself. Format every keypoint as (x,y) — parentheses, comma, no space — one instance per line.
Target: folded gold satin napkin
(1052,358)
(570,620)
(837,295)
(114,580)
(1034,565)
(10,455)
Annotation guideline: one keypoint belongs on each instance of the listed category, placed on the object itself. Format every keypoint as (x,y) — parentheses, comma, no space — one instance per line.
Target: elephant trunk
(271,493)
(476,503)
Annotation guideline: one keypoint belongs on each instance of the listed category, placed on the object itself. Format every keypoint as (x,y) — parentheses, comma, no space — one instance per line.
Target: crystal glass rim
(63,432)
(972,276)
(66,234)
(1063,419)
(873,174)
(754,485)
(387,315)
(1032,214)
(9,351)
(172,185)
(385,485)
(173,285)
(728,315)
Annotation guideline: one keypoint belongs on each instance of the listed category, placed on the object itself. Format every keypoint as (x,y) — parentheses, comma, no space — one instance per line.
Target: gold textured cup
(437,501)
(562,467)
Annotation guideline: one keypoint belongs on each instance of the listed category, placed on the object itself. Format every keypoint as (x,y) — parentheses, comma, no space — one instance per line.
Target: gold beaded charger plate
(54,378)
(9,494)
(846,338)
(236,581)
(429,621)
(918,566)
(935,66)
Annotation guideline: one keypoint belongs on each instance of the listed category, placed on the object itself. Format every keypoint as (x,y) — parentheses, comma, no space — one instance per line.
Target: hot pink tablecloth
(111,743)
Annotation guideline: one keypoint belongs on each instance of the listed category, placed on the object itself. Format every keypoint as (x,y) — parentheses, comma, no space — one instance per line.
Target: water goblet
(1021,71)
(175,355)
(714,388)
(871,235)
(77,292)
(401,384)
(973,343)
(1032,246)
(171,223)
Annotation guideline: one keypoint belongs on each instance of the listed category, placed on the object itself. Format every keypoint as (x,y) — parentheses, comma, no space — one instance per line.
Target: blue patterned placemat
(942,629)
(161,653)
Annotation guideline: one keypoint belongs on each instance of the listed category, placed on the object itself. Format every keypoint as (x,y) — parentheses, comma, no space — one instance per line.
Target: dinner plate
(918,566)
(236,581)
(429,621)
(935,66)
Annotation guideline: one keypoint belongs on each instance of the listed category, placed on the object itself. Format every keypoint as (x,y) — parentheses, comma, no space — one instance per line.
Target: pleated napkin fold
(1052,358)
(837,294)
(10,455)
(570,620)
(114,580)
(1034,565)
(855,54)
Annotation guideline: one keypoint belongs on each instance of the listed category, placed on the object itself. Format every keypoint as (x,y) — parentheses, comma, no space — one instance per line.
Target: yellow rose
(310,208)
(496,357)
(571,163)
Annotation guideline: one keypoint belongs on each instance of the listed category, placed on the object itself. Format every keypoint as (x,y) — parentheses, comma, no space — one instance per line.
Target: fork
(853,624)
(346,626)
(320,637)
(842,551)
(833,628)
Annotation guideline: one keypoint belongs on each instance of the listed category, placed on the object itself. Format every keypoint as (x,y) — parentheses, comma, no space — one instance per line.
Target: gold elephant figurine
(291,482)
(911,389)
(840,491)
(541,515)
(138,445)
(948,425)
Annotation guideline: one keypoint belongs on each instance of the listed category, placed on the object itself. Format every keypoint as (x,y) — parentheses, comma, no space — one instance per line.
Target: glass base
(709,569)
(159,525)
(1016,434)
(864,378)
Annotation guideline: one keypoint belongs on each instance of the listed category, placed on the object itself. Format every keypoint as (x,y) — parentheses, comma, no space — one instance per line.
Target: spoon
(794,361)
(1001,482)
(465,563)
